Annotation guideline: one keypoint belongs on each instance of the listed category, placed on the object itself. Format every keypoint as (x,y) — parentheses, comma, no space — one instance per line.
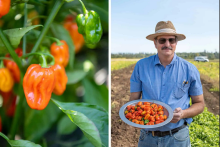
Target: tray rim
(169,118)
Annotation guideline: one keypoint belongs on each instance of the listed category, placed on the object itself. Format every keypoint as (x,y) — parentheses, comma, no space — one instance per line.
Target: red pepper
(4,7)
(13,67)
(61,79)
(38,85)
(9,102)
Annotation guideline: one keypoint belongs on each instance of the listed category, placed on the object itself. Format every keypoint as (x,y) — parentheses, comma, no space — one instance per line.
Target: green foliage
(95,94)
(14,36)
(204,130)
(210,69)
(90,119)
(19,143)
(75,76)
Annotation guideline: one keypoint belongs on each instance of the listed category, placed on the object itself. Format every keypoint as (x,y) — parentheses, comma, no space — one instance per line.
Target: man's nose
(167,43)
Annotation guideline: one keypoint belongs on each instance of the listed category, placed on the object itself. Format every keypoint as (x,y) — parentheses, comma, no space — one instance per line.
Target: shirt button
(163,84)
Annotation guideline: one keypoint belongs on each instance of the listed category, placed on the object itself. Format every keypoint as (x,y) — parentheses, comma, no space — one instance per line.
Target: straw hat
(165,28)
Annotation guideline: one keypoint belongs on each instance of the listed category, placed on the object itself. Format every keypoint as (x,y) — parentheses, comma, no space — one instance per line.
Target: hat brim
(179,36)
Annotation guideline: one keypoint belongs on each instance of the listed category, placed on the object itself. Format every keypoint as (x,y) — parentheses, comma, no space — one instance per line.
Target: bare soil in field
(123,135)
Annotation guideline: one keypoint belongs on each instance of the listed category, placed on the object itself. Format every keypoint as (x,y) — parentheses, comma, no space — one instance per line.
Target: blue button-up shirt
(167,84)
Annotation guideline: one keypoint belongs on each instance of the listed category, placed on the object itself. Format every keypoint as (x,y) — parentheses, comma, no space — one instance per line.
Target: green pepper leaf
(19,143)
(95,94)
(39,122)
(65,126)
(91,119)
(75,76)
(14,36)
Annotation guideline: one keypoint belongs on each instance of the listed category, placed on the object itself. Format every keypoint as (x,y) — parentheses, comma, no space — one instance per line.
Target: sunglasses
(163,40)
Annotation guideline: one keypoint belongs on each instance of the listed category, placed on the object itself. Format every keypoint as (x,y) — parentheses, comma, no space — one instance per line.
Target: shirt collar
(157,61)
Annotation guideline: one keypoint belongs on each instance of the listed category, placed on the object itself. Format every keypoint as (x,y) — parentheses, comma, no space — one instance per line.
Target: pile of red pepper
(145,113)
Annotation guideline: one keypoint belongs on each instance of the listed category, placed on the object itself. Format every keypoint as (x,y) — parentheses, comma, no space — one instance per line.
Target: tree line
(211,56)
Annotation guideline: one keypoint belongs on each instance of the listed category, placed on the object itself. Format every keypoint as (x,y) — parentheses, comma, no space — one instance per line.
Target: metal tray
(167,111)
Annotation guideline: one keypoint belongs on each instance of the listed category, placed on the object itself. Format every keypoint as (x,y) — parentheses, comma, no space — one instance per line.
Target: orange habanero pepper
(4,7)
(38,85)
(13,67)
(6,80)
(72,28)
(61,80)
(60,53)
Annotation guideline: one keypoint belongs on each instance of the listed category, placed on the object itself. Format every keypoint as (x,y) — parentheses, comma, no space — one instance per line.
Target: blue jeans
(179,139)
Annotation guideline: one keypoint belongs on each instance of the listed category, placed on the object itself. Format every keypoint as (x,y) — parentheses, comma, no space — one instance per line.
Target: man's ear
(155,43)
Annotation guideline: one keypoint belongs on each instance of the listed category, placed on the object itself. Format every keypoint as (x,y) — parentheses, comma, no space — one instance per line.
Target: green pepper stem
(56,40)
(83,6)
(1,64)
(6,58)
(39,16)
(44,61)
(24,37)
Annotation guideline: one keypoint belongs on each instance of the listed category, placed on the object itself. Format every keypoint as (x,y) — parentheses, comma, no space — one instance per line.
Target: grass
(210,72)
(115,65)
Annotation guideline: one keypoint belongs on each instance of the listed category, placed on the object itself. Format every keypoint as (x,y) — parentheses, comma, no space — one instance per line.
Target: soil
(123,135)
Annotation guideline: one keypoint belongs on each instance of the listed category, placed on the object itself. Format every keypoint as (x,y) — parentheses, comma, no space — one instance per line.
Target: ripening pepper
(13,67)
(89,25)
(61,80)
(38,85)
(4,7)
(60,52)
(72,28)
(9,102)
(6,80)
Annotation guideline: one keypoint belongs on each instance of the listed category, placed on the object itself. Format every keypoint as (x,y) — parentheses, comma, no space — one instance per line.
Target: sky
(132,21)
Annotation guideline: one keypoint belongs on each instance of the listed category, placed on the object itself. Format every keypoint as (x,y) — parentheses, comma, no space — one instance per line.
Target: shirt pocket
(180,90)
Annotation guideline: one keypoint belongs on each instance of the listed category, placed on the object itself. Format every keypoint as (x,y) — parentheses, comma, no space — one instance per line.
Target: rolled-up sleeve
(135,82)
(195,85)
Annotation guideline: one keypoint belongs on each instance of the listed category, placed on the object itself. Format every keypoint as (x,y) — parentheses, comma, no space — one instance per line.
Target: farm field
(204,131)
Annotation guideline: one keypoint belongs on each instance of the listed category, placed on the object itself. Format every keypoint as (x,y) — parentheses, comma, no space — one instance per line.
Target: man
(170,79)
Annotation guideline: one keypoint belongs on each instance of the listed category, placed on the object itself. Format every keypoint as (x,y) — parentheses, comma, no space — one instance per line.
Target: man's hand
(177,115)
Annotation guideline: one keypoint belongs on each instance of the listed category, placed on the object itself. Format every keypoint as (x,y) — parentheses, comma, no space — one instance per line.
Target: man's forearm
(135,96)
(193,110)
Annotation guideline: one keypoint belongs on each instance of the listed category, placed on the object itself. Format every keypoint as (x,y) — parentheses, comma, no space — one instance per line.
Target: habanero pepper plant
(51,53)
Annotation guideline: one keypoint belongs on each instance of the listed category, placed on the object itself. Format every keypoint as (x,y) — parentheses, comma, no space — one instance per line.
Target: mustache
(165,47)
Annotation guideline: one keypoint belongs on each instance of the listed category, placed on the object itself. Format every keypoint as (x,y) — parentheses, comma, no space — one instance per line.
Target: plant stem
(44,61)
(49,20)
(25,21)
(6,58)
(56,40)
(10,49)
(83,6)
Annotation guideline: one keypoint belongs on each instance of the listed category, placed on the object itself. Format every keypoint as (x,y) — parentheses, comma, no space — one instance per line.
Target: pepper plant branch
(6,58)
(24,37)
(44,61)
(49,20)
(56,40)
(16,119)
(10,49)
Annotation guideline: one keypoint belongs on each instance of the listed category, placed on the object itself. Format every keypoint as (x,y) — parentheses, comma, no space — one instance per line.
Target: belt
(161,134)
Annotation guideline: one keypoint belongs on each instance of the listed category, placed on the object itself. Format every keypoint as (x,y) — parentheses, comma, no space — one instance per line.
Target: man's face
(165,45)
